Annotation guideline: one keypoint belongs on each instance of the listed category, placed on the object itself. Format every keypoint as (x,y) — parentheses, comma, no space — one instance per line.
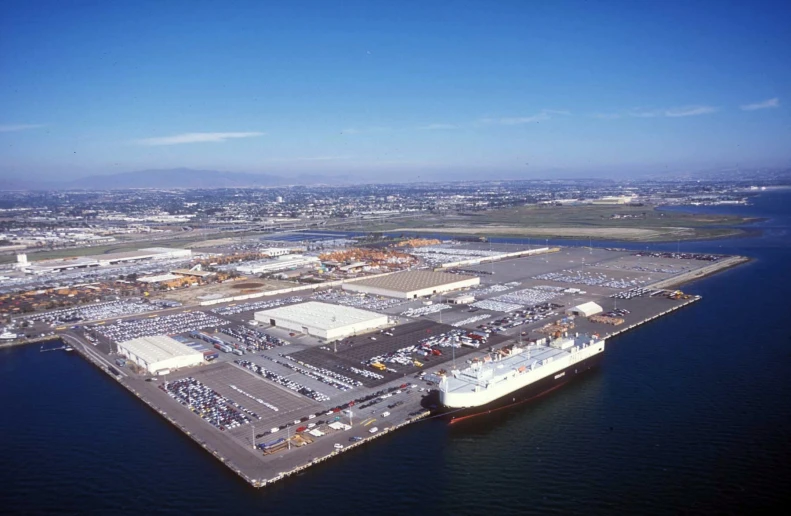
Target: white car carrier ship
(516,374)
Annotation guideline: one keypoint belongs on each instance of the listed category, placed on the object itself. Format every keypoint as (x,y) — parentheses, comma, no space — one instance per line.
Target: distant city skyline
(397,90)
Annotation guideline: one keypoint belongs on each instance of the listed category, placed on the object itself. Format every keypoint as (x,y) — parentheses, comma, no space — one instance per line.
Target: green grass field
(641,223)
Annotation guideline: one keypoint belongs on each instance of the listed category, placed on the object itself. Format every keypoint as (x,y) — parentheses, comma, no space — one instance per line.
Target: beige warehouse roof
(320,315)
(157,348)
(589,308)
(410,281)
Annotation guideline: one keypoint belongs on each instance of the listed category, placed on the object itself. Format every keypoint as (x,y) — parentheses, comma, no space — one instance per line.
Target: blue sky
(393,89)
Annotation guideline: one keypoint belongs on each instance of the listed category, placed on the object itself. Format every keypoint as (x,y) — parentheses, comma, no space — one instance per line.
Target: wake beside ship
(516,374)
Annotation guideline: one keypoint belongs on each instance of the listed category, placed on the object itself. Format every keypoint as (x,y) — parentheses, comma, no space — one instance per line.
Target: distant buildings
(84,262)
(281,263)
(614,199)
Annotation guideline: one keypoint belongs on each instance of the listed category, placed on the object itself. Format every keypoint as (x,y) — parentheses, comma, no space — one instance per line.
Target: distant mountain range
(174,178)
(192,178)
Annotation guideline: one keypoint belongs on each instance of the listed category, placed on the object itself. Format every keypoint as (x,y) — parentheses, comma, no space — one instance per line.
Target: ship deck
(532,354)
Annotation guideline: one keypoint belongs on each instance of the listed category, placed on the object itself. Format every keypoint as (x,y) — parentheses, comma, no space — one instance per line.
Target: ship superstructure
(517,373)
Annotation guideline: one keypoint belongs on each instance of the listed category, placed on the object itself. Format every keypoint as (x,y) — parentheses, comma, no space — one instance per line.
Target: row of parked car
(357,300)
(633,293)
(335,413)
(681,256)
(590,278)
(237,308)
(173,324)
(95,311)
(208,404)
(252,339)
(324,375)
(282,380)
(520,317)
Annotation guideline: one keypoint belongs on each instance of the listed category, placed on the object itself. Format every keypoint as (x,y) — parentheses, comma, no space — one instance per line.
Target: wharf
(242,459)
(249,464)
(235,447)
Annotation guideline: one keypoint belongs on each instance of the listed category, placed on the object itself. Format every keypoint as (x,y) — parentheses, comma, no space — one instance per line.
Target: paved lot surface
(355,351)
(289,404)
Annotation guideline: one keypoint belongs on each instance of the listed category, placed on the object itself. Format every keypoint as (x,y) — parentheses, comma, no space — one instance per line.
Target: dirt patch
(195,295)
(244,286)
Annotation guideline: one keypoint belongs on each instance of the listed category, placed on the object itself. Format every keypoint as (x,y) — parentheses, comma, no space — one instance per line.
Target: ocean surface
(687,414)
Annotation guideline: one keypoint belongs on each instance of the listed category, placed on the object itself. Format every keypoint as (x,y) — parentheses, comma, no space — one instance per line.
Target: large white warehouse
(585,309)
(412,284)
(322,320)
(159,353)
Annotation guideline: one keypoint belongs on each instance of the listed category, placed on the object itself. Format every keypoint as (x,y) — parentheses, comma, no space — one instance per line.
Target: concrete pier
(407,397)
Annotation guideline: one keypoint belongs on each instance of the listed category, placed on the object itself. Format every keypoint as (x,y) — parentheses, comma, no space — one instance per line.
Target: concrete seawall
(715,267)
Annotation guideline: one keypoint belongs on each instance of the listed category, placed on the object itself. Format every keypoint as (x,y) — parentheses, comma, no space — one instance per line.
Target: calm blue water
(688,414)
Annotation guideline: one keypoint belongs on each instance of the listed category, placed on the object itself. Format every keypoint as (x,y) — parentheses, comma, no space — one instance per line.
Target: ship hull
(524,394)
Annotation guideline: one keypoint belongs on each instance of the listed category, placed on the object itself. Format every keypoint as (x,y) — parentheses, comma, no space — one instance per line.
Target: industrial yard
(294,376)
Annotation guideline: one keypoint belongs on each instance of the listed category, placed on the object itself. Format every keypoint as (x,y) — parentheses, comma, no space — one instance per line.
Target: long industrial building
(413,284)
(102,260)
(322,320)
(280,263)
(159,353)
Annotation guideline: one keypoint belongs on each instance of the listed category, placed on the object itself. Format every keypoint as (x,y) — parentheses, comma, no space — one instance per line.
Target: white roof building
(323,320)
(412,284)
(158,278)
(159,352)
(281,263)
(585,309)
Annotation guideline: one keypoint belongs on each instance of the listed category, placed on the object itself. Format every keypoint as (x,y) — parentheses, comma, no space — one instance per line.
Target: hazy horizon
(393,92)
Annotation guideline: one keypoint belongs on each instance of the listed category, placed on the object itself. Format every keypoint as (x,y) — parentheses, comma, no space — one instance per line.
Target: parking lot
(221,376)
(356,351)
(97,311)
(178,323)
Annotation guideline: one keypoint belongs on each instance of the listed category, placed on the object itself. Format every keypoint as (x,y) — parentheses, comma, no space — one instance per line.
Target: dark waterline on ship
(686,414)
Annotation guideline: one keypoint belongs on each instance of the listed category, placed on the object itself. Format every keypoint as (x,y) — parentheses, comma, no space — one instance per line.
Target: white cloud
(11,128)
(366,130)
(766,104)
(196,138)
(435,127)
(518,120)
(657,113)
(322,158)
(689,111)
(311,158)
